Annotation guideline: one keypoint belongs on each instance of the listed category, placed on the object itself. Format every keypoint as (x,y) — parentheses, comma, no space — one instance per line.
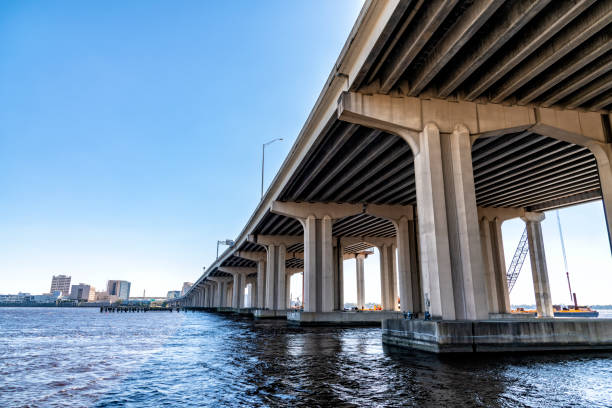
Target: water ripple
(82,358)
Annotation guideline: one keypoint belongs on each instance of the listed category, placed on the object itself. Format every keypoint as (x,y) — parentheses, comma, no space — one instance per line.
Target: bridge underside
(440,120)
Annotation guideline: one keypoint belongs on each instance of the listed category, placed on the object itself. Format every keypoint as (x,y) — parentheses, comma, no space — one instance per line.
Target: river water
(80,357)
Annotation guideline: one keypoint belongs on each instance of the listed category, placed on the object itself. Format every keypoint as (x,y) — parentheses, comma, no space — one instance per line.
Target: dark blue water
(80,357)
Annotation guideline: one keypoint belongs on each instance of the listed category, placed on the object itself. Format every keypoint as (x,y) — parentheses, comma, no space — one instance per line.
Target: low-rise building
(83,293)
(105,297)
(173,294)
(47,297)
(18,298)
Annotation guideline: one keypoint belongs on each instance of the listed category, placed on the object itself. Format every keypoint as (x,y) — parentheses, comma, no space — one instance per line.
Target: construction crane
(517,261)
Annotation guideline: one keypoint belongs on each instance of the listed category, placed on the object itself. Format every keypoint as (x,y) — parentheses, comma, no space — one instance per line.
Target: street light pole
(227,242)
(263,159)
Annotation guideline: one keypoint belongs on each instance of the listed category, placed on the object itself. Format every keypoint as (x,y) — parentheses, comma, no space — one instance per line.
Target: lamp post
(228,242)
(263,156)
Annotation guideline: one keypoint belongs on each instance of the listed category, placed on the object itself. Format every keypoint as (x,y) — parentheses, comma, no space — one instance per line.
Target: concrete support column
(288,291)
(261,284)
(541,285)
(238,291)
(318,265)
(494,265)
(253,291)
(317,220)
(603,155)
(408,271)
(229,290)
(388,285)
(275,277)
(220,297)
(247,297)
(338,254)
(360,274)
(469,287)
(220,292)
(239,282)
(433,230)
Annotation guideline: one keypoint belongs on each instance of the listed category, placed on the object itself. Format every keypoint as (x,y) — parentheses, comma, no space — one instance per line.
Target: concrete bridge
(439,121)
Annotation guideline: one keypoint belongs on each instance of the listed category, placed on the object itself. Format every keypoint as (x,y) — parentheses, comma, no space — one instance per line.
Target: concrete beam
(406,116)
(374,241)
(286,240)
(520,13)
(461,32)
(500,213)
(530,41)
(251,255)
(435,12)
(593,20)
(317,210)
(585,55)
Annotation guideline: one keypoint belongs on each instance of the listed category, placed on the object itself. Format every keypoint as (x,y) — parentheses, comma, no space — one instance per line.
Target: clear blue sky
(130,136)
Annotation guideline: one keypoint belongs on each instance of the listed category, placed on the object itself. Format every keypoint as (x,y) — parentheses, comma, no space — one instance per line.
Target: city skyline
(110,142)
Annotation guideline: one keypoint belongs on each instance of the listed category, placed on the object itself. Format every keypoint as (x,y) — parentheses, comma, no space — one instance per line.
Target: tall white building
(60,283)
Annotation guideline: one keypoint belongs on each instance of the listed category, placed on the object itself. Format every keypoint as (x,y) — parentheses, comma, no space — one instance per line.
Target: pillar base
(356,318)
(269,314)
(245,311)
(510,335)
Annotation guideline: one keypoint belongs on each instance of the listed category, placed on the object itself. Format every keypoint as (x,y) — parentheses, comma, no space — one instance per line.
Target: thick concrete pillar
(238,283)
(603,155)
(541,285)
(433,229)
(494,265)
(238,291)
(360,274)
(318,265)
(261,284)
(275,277)
(317,220)
(220,292)
(288,291)
(469,287)
(253,291)
(388,273)
(338,254)
(415,268)
(259,288)
(229,298)
(408,271)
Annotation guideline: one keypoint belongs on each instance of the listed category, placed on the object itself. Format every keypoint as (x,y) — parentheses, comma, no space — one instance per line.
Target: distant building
(118,288)
(47,297)
(105,297)
(186,286)
(18,298)
(83,293)
(173,294)
(61,283)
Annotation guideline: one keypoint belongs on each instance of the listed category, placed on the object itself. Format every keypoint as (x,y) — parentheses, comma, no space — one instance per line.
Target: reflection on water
(80,357)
